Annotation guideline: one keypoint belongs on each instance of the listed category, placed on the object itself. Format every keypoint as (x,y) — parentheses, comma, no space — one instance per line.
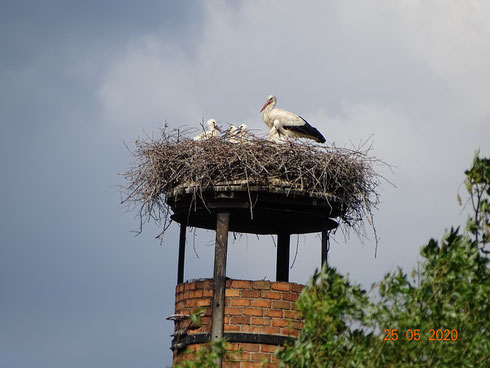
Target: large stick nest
(174,160)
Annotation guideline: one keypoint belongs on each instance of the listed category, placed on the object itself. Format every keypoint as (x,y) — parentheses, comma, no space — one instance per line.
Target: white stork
(243,131)
(275,136)
(211,132)
(287,123)
(233,134)
(244,134)
(238,134)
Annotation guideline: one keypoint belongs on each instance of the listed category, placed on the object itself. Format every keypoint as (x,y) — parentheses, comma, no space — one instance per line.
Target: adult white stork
(212,131)
(287,123)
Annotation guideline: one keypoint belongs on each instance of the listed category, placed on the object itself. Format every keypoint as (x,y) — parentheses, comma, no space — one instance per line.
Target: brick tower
(255,316)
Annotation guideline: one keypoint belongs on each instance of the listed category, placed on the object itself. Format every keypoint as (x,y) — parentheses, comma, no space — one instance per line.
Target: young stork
(233,134)
(275,136)
(243,132)
(287,123)
(212,131)
(238,134)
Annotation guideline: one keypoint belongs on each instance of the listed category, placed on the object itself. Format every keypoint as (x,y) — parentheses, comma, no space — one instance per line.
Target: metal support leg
(282,262)
(219,276)
(325,245)
(180,269)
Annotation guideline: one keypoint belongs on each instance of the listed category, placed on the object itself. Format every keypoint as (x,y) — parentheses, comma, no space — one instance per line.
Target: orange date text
(415,335)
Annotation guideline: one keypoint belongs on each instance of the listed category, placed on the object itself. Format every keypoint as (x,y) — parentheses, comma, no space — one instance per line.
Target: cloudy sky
(78,79)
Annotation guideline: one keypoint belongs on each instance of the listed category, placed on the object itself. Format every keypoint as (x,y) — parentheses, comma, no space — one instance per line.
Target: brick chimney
(259,317)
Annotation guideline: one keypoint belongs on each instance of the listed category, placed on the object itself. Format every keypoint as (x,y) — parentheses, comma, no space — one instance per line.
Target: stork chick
(274,134)
(243,133)
(238,134)
(212,131)
(233,134)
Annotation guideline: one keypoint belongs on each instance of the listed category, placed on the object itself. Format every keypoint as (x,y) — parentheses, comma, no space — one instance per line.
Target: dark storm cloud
(72,291)
(30,28)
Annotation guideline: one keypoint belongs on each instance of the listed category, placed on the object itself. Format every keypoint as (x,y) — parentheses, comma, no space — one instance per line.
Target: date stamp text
(415,335)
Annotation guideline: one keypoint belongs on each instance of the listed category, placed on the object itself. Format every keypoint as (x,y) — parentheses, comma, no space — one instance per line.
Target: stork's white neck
(268,108)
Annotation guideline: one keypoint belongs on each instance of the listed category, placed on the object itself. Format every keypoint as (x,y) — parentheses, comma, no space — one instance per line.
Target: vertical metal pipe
(219,277)
(180,268)
(325,245)
(282,261)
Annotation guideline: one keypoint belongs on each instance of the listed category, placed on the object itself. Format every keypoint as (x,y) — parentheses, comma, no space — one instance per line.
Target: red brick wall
(263,307)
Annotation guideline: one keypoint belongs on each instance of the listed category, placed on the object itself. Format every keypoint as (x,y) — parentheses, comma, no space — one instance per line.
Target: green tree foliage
(478,186)
(438,317)
(335,313)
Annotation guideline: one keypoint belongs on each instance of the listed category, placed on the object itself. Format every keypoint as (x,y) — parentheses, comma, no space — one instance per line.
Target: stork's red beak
(263,107)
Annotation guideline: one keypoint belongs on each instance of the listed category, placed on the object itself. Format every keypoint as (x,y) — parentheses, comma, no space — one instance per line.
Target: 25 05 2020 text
(415,335)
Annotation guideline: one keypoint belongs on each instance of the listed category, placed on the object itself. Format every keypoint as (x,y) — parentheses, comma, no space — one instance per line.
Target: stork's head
(233,129)
(243,128)
(212,124)
(271,100)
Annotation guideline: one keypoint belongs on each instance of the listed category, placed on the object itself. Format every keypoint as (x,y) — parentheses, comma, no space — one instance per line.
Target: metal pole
(219,276)
(282,262)
(180,268)
(325,245)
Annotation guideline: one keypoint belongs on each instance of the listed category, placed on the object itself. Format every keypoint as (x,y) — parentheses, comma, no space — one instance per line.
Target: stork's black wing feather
(306,130)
